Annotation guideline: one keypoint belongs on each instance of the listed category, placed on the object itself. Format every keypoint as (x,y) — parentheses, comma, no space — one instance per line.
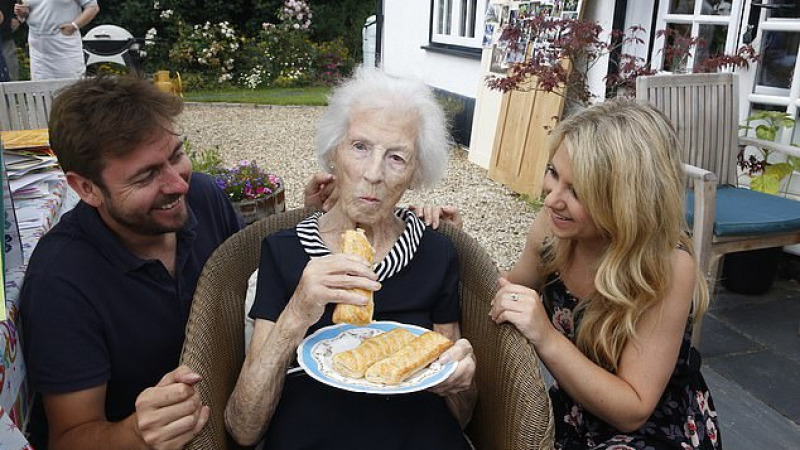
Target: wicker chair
(513,410)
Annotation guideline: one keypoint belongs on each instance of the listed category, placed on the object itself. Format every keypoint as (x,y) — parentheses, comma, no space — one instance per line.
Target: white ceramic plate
(315,352)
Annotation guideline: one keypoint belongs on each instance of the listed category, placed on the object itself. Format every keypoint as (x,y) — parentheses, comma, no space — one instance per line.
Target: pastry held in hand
(355,242)
(353,363)
(417,354)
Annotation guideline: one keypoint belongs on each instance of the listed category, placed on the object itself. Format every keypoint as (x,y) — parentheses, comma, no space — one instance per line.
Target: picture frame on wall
(497,65)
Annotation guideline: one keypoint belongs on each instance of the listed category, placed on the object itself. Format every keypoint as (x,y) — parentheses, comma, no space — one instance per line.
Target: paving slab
(746,422)
(770,377)
(720,339)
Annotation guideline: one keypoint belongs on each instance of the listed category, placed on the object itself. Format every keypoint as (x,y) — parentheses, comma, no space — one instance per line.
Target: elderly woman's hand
(432,215)
(328,280)
(462,378)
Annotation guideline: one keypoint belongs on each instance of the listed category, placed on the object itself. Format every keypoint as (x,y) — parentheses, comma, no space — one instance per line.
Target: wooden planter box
(253,210)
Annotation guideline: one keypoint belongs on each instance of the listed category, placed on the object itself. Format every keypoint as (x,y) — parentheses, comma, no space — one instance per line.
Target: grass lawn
(310,96)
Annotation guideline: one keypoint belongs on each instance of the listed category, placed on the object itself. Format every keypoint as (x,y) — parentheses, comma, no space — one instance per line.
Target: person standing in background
(54,35)
(8,26)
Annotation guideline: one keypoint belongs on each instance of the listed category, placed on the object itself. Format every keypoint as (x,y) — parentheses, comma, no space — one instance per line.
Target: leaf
(768,184)
(795,162)
(765,132)
(779,170)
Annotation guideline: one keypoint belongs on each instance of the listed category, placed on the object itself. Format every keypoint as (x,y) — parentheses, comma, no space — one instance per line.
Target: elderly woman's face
(375,163)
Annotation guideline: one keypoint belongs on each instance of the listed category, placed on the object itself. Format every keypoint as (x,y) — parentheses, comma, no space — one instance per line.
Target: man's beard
(142,223)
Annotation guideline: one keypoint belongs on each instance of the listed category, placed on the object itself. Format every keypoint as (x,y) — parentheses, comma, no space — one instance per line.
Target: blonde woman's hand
(462,378)
(432,215)
(329,279)
(523,308)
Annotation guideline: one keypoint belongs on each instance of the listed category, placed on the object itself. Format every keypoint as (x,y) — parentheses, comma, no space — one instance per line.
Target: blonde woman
(610,257)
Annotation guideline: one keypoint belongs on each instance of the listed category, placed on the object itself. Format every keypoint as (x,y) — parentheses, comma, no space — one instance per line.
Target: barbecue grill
(112,44)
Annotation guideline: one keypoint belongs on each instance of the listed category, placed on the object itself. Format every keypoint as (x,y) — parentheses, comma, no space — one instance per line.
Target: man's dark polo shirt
(94,313)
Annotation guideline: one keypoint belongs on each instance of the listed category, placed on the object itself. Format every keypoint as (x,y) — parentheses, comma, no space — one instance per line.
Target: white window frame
(457,34)
(695,19)
(788,98)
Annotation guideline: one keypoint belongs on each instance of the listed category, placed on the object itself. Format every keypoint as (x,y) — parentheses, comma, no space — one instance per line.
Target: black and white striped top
(399,256)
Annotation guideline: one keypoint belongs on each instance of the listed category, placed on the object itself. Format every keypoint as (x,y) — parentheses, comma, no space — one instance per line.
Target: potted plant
(254,192)
(753,271)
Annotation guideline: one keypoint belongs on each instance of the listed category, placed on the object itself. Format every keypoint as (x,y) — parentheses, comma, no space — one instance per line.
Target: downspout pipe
(618,23)
(378,32)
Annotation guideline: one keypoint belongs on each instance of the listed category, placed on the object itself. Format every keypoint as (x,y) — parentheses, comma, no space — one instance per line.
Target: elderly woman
(380,136)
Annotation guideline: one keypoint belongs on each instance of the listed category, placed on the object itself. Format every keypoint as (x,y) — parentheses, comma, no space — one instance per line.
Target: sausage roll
(353,363)
(417,354)
(355,242)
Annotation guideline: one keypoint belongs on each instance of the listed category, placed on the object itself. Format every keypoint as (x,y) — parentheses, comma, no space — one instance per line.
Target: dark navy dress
(683,419)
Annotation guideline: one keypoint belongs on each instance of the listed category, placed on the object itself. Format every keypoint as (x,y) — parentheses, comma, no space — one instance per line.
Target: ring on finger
(514,297)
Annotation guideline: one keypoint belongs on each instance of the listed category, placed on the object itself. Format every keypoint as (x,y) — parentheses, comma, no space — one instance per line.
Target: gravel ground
(281,139)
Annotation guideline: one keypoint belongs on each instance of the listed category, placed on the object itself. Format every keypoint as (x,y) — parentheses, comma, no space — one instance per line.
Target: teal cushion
(742,212)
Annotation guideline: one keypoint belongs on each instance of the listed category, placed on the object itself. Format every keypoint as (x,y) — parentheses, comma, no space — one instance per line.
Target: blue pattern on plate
(315,351)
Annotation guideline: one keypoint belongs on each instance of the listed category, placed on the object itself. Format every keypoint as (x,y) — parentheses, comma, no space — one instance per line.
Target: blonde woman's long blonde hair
(628,174)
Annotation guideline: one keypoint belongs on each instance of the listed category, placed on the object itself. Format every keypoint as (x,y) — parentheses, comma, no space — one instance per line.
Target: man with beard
(108,290)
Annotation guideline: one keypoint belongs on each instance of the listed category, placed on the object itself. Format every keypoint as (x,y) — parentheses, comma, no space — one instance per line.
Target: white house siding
(405,31)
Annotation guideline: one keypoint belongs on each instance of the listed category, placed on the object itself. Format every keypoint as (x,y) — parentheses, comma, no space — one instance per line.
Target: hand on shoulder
(433,215)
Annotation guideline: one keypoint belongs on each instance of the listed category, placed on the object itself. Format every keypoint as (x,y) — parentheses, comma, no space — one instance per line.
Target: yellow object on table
(21,139)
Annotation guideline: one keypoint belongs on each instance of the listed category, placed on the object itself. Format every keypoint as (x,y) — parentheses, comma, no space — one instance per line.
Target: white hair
(371,88)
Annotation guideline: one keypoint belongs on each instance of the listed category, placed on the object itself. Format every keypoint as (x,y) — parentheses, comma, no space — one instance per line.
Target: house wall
(406,30)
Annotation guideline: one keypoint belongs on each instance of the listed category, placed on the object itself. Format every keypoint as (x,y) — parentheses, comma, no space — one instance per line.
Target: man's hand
(68,29)
(21,11)
(170,414)
(432,215)
(320,192)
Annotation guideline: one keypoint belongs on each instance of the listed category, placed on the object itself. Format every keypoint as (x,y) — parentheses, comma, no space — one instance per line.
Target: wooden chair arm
(700,174)
(705,192)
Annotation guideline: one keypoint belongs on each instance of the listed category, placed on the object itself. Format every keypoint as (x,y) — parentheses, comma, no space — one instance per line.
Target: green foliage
(767,176)
(208,50)
(252,43)
(341,19)
(207,161)
(332,62)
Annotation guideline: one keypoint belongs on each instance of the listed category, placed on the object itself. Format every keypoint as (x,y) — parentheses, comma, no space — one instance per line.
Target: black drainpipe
(653,24)
(618,23)
(378,31)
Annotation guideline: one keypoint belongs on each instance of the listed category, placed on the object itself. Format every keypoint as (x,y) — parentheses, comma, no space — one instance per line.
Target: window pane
(681,7)
(778,55)
(448,16)
(462,20)
(675,59)
(716,8)
(787,10)
(712,42)
(440,22)
(471,18)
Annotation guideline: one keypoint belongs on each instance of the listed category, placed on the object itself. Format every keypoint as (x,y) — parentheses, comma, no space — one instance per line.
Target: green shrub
(208,51)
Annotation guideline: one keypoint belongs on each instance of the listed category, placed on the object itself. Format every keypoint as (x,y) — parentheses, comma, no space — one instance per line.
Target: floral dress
(684,417)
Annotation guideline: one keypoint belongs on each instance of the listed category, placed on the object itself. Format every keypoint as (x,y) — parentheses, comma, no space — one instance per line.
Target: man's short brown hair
(106,117)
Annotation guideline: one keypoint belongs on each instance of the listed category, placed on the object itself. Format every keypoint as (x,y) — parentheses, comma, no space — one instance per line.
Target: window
(716,22)
(458,22)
